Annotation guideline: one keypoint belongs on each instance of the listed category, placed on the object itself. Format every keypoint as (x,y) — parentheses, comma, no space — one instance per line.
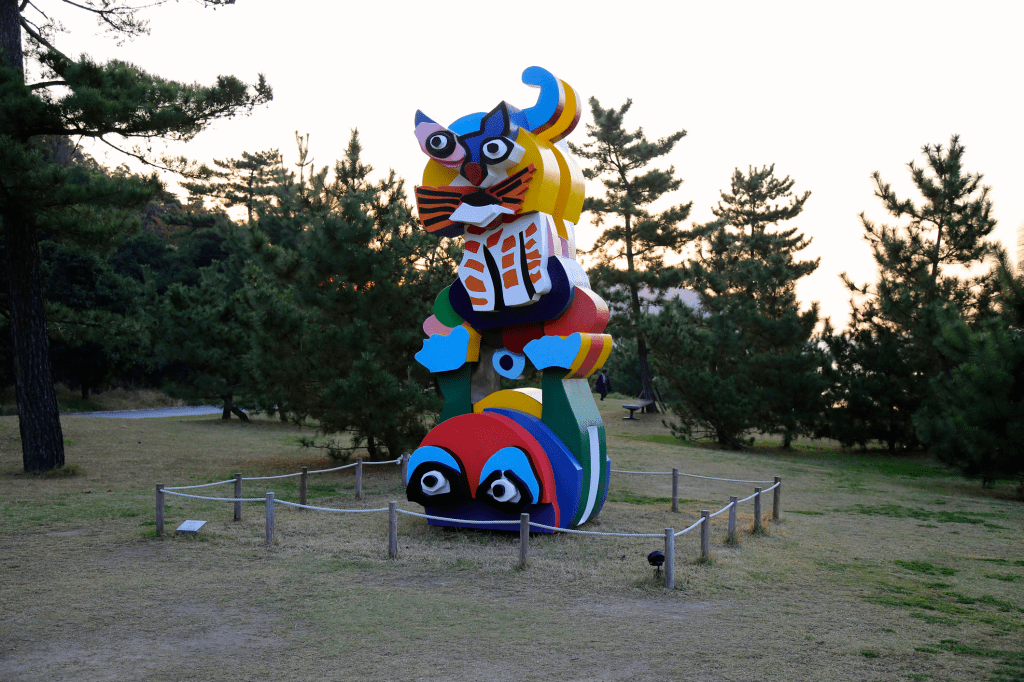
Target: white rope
(720,511)
(441,518)
(325,471)
(772,488)
(712,478)
(217,499)
(594,532)
(329,509)
(202,485)
(747,498)
(687,530)
(267,478)
(319,471)
(532,524)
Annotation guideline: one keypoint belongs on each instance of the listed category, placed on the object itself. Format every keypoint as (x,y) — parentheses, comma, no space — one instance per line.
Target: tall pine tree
(635,238)
(883,363)
(116,100)
(746,357)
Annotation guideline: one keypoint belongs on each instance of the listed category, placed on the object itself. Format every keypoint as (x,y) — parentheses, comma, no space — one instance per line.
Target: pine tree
(240,182)
(745,358)
(204,335)
(884,362)
(974,418)
(87,99)
(339,302)
(636,238)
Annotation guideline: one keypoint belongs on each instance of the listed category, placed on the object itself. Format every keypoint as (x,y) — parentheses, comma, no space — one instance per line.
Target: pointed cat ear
(438,142)
(503,120)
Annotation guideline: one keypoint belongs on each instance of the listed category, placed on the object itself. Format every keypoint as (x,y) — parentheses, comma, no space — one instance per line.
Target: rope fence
(524,522)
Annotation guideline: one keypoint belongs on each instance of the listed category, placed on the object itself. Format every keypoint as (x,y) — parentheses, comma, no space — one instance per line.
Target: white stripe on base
(595,472)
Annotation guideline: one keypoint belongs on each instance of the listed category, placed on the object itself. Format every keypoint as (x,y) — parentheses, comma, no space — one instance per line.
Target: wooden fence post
(359,478)
(238,495)
(303,484)
(732,517)
(675,489)
(524,540)
(270,518)
(670,558)
(757,510)
(705,535)
(777,499)
(392,530)
(159,509)
(405,468)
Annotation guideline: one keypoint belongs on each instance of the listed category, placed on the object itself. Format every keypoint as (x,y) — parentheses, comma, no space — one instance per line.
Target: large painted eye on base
(435,483)
(436,479)
(508,482)
(506,492)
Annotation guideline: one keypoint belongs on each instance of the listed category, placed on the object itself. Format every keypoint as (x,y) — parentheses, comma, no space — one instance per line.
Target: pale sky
(828,92)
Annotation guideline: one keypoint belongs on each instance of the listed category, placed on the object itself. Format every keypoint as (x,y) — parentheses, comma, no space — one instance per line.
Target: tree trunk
(229,407)
(10,34)
(42,441)
(646,388)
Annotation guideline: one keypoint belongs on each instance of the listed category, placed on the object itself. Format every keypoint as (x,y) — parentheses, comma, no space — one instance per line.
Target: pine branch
(46,84)
(26,24)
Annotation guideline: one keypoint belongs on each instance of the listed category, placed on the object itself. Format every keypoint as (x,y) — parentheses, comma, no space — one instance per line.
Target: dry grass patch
(87,592)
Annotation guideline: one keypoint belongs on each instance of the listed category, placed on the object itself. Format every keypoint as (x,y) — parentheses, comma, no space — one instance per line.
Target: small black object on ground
(656,559)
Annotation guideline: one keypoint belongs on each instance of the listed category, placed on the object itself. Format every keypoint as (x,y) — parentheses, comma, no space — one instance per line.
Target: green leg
(570,411)
(455,389)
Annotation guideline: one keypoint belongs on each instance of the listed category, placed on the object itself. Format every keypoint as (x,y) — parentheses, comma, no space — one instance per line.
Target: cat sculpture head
(488,168)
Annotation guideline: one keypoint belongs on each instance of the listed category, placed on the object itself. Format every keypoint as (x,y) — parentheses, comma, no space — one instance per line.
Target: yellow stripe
(473,352)
(606,339)
(581,355)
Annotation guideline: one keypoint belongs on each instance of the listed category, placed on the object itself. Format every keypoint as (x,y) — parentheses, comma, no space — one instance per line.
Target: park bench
(638,404)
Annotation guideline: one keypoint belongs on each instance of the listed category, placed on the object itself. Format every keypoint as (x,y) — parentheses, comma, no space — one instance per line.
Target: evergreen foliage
(884,362)
(634,236)
(87,99)
(745,358)
(339,296)
(94,317)
(974,419)
(244,182)
(203,338)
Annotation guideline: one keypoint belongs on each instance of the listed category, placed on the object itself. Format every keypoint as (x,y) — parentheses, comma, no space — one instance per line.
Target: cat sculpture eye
(441,144)
(496,149)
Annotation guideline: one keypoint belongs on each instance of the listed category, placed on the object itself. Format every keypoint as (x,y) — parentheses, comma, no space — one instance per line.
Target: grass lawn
(879,569)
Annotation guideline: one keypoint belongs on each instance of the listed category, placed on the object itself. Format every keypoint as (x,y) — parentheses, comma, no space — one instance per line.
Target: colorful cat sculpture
(507,183)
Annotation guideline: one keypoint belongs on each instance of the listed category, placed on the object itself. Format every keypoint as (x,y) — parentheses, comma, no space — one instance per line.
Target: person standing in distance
(604,384)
